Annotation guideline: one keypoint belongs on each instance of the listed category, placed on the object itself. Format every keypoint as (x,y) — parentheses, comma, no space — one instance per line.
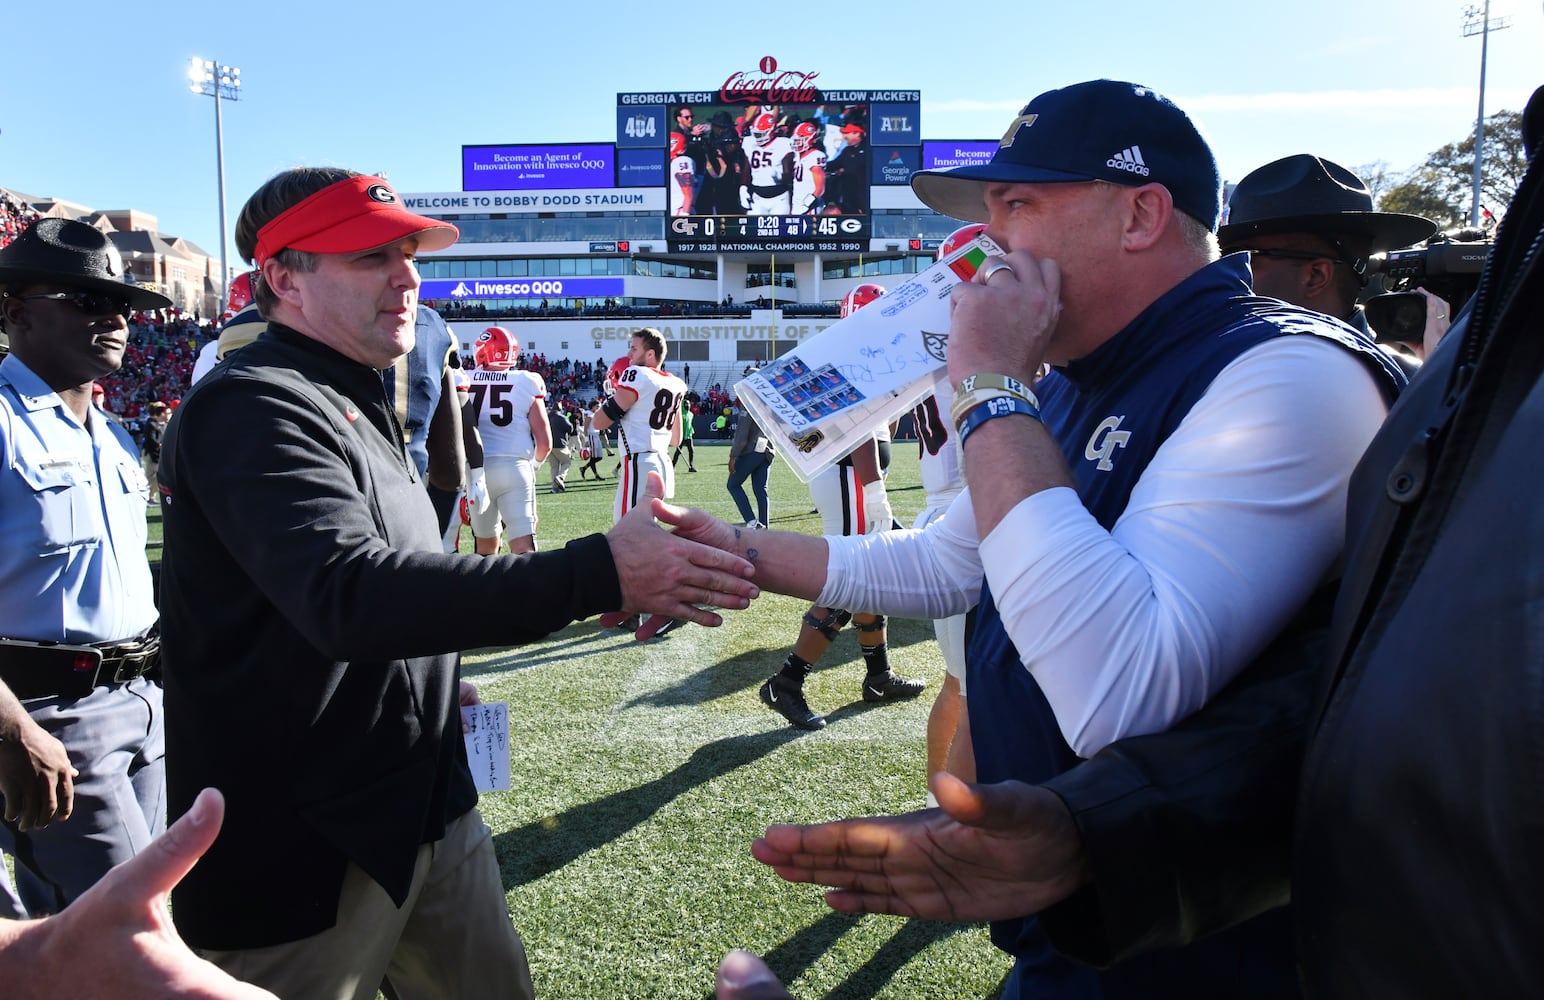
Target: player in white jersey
(809,169)
(646,407)
(509,407)
(851,499)
(683,176)
(771,159)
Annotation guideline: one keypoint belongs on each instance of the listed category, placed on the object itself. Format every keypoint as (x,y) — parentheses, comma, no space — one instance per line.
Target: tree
(1442,188)
(1378,178)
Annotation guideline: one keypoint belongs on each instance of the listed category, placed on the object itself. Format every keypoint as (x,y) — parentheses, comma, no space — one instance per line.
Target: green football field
(642,771)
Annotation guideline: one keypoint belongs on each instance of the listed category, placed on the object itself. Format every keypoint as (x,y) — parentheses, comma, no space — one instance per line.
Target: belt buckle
(128,666)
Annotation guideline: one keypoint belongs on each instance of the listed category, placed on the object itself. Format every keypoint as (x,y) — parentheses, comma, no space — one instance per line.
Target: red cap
(351,216)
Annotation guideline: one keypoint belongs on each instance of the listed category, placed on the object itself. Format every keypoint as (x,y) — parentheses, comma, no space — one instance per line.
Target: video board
(769,160)
(538,167)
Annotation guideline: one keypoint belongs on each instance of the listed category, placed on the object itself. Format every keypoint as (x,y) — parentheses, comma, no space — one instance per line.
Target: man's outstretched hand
(117,940)
(667,573)
(989,852)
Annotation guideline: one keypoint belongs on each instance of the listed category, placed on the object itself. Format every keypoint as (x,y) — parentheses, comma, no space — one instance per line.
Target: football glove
(477,491)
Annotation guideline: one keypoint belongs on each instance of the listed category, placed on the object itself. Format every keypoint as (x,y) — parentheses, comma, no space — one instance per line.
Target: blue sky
(107,120)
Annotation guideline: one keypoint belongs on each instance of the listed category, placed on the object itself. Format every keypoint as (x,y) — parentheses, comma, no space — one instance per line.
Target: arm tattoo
(752,554)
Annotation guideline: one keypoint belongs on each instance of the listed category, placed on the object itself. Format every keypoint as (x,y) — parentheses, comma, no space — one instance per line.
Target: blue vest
(1110,412)
(413,384)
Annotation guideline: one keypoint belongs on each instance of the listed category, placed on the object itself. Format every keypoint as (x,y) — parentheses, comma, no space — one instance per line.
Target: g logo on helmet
(382,194)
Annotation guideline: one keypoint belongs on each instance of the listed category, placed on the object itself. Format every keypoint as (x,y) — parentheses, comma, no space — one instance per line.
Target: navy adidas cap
(1100,130)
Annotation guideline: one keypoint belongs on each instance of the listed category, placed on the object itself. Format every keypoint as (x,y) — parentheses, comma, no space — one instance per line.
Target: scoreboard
(766,142)
(721,233)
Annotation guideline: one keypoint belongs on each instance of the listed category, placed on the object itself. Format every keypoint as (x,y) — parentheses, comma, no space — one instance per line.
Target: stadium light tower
(215,80)
(1477,21)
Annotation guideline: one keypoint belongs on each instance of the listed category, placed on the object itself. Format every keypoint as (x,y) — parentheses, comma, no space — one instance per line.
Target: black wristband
(612,409)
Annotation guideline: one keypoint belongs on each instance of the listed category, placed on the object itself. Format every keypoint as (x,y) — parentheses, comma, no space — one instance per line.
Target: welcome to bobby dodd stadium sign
(519,288)
(439,203)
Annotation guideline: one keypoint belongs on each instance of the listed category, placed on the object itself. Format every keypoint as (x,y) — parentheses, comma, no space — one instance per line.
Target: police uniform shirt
(72,513)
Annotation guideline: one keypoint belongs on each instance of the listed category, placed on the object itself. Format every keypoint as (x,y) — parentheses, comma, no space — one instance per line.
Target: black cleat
(670,627)
(787,700)
(891,686)
(656,625)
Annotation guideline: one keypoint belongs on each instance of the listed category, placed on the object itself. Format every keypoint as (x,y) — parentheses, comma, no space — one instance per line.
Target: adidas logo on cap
(1129,159)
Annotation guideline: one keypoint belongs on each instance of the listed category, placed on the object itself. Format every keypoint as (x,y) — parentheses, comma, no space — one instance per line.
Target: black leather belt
(54,669)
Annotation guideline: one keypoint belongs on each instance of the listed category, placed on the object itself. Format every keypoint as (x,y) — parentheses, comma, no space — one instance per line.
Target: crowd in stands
(157,365)
(15,215)
(570,384)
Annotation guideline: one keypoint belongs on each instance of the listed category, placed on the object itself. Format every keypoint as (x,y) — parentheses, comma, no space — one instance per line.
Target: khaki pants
(452,938)
(151,468)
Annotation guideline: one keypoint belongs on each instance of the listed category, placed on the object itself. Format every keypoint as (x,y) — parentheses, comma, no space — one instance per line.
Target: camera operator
(1427,286)
(1309,227)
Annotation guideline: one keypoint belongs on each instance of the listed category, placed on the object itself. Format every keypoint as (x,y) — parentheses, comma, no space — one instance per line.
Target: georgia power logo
(382,194)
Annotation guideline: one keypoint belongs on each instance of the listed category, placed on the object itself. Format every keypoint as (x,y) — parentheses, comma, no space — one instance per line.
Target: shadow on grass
(712,681)
(793,957)
(578,639)
(531,851)
(746,671)
(914,937)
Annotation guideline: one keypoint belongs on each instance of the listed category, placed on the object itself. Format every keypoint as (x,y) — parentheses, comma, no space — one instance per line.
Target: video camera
(1448,266)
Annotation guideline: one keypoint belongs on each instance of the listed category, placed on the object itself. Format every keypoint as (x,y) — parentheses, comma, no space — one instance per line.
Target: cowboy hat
(66,252)
(1309,194)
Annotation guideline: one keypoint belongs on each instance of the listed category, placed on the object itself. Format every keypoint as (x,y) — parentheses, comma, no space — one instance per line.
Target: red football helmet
(241,294)
(677,144)
(763,128)
(959,238)
(804,135)
(614,373)
(496,349)
(859,297)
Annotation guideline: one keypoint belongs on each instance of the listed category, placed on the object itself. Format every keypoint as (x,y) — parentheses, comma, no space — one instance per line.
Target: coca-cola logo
(769,85)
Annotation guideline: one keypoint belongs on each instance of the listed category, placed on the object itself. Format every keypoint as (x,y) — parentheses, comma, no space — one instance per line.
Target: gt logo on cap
(1022,121)
(382,194)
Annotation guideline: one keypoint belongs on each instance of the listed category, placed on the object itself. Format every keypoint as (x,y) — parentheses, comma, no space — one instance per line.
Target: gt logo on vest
(1102,443)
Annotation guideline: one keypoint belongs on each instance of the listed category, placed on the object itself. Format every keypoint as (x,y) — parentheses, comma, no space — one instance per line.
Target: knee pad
(877,625)
(829,625)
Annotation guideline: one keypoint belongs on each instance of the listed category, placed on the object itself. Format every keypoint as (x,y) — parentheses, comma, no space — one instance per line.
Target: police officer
(81,761)
(1309,226)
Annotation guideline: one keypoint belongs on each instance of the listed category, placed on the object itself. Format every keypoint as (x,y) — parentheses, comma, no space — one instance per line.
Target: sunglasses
(1357,266)
(90,303)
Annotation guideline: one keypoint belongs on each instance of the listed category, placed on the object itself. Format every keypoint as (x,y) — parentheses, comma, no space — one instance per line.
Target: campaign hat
(1107,130)
(1309,194)
(66,252)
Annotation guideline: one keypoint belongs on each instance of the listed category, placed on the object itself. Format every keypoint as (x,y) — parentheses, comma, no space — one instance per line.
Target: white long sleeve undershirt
(1239,516)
